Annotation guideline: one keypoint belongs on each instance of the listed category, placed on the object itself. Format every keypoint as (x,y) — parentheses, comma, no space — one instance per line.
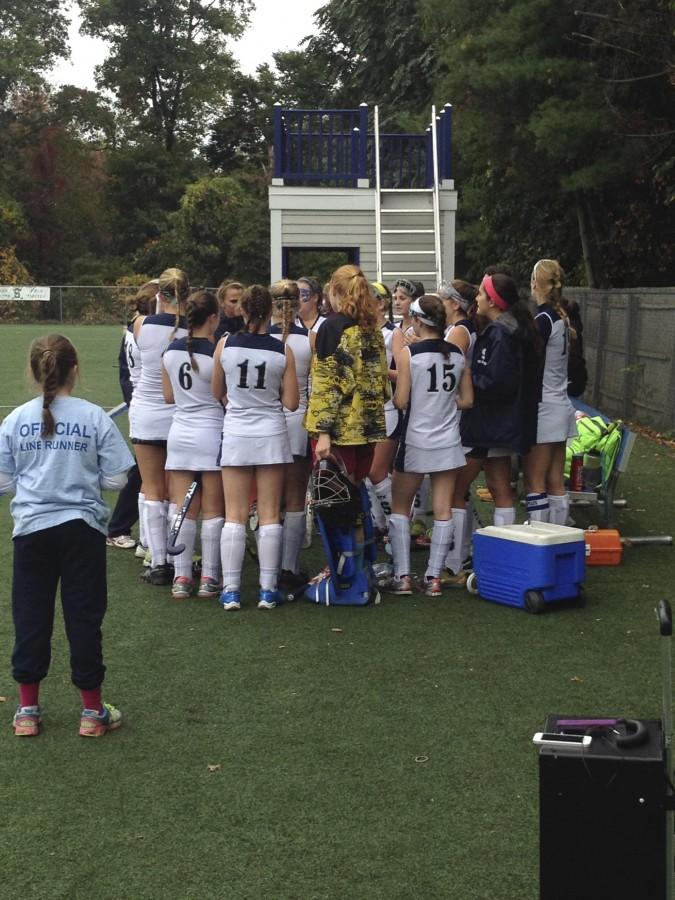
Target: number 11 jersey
(254,366)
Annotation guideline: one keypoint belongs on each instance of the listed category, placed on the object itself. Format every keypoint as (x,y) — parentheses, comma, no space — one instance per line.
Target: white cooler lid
(543,534)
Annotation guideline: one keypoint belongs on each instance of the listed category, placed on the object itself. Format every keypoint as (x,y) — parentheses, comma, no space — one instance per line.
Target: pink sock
(92,699)
(28,694)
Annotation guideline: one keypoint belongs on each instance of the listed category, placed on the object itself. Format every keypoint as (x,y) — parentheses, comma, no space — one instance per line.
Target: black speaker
(602,817)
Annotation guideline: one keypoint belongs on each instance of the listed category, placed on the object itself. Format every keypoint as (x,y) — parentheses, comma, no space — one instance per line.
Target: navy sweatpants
(74,554)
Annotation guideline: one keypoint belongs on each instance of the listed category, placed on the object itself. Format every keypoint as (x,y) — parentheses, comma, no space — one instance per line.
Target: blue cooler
(528,565)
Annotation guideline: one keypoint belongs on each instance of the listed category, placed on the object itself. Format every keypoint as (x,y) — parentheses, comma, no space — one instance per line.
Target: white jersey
(195,404)
(315,327)
(470,329)
(132,355)
(555,414)
(388,330)
(149,415)
(254,366)
(431,420)
(298,341)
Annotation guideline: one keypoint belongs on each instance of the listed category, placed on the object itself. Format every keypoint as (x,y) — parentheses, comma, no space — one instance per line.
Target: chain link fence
(81,304)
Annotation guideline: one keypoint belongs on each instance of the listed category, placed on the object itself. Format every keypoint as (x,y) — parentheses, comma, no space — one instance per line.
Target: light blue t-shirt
(58,477)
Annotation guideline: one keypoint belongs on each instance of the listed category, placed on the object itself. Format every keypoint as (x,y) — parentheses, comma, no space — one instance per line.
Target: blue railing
(334,147)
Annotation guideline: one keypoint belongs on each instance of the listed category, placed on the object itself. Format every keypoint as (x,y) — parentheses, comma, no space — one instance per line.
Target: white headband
(417,311)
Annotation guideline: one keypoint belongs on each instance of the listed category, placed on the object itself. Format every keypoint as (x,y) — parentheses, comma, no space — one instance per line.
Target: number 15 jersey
(431,421)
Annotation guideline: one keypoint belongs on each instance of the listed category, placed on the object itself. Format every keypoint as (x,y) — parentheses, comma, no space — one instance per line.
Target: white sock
(376,510)
(455,556)
(399,536)
(210,534)
(293,539)
(537,506)
(472,523)
(171,509)
(441,538)
(155,524)
(269,555)
(422,499)
(232,550)
(142,536)
(183,561)
(382,491)
(505,515)
(559,508)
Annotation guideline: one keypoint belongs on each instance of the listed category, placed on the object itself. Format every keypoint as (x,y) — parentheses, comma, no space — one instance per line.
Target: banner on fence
(25,292)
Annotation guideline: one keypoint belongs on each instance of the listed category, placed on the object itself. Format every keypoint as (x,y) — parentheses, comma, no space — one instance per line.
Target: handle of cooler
(665,618)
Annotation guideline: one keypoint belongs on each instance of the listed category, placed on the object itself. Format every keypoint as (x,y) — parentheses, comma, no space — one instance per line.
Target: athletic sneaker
(147,558)
(402,586)
(289,581)
(123,541)
(431,587)
(181,588)
(448,580)
(160,575)
(27,721)
(95,724)
(269,599)
(141,551)
(208,588)
(230,600)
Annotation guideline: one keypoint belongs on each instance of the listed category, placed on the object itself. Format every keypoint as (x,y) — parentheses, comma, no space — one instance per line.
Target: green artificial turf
(310,752)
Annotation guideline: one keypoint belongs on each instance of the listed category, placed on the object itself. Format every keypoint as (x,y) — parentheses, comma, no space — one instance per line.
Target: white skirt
(297,435)
(425,461)
(240,450)
(392,420)
(555,422)
(149,421)
(193,450)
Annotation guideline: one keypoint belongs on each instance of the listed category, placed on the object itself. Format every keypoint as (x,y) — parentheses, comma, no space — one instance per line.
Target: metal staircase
(407,222)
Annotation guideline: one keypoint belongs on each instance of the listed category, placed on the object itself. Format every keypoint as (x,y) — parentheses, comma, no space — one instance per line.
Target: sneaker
(289,581)
(448,580)
(423,541)
(160,575)
(27,721)
(431,587)
(269,599)
(230,600)
(123,541)
(95,724)
(147,559)
(181,588)
(140,551)
(208,588)
(402,586)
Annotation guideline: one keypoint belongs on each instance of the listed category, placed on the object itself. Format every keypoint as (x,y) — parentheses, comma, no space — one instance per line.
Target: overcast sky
(275,25)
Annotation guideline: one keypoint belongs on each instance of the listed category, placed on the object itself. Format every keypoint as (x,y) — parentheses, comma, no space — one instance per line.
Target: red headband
(491,291)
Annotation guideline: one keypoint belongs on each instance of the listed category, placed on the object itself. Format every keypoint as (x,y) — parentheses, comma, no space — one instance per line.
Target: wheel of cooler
(528,566)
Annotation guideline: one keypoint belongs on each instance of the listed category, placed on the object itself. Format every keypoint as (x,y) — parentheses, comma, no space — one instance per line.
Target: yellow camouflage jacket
(350,383)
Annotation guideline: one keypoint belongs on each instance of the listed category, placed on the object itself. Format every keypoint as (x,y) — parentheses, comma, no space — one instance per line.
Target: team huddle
(245,394)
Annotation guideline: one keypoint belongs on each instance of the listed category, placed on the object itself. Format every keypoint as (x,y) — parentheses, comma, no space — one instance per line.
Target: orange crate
(603,547)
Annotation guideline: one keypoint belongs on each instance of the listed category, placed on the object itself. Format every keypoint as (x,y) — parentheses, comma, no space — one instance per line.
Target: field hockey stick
(173,549)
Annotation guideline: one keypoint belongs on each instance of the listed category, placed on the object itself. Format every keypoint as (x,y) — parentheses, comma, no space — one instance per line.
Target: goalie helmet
(333,495)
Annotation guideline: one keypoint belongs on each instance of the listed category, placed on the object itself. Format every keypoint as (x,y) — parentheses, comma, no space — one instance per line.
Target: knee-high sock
(472,523)
(505,515)
(421,503)
(455,555)
(171,509)
(376,510)
(232,550)
(441,538)
(142,536)
(537,507)
(382,491)
(559,508)
(187,536)
(211,531)
(399,536)
(293,538)
(155,523)
(269,555)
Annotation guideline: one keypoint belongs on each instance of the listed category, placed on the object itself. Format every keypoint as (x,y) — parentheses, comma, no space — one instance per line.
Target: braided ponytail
(256,305)
(548,278)
(198,308)
(52,360)
(285,303)
(174,287)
